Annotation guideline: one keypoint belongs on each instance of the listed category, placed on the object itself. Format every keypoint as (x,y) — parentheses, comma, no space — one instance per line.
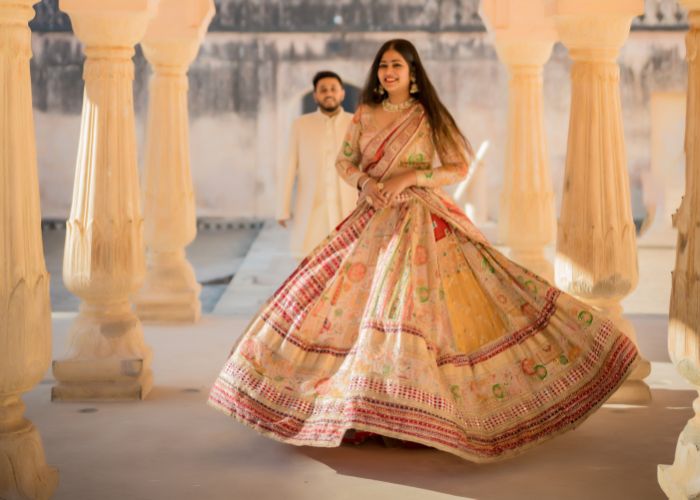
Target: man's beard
(329,109)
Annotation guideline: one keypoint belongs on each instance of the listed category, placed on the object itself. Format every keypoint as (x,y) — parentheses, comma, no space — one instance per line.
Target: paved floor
(172,446)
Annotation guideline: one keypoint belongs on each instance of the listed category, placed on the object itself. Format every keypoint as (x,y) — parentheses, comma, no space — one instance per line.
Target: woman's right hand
(372,190)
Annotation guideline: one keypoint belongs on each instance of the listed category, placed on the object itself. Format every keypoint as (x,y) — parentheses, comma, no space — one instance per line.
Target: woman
(405,322)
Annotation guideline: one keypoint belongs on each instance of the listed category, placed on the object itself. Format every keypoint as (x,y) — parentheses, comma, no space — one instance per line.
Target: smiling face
(394,73)
(328,94)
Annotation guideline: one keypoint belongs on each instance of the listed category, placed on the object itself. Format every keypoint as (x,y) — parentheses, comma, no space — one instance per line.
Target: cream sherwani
(323,199)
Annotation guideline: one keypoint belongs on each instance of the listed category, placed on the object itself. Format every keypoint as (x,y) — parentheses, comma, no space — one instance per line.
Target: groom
(323,199)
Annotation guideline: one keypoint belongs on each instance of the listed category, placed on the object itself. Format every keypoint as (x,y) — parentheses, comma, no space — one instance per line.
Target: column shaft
(596,247)
(170,292)
(104,254)
(25,308)
(682,479)
(527,201)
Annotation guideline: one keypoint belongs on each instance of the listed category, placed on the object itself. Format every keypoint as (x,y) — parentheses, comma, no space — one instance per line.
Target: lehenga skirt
(400,325)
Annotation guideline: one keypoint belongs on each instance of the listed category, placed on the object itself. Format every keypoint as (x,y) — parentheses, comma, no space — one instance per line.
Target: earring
(413,89)
(379,90)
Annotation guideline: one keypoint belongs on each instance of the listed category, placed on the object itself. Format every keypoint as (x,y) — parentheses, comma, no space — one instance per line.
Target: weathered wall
(254,68)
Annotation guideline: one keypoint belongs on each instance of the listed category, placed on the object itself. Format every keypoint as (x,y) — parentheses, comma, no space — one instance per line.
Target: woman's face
(393,73)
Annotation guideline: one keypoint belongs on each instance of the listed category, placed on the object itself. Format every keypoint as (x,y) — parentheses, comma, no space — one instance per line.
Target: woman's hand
(374,191)
(397,184)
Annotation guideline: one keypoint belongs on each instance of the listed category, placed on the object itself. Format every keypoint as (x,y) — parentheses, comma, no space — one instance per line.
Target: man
(323,199)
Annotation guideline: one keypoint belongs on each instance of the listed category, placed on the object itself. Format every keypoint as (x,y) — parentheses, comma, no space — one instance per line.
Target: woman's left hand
(396,185)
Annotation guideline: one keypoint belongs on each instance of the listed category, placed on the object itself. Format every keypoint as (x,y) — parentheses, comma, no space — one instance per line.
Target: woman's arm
(348,161)
(453,169)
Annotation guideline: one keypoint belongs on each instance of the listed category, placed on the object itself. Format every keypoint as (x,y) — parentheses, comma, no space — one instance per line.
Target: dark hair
(326,74)
(446,133)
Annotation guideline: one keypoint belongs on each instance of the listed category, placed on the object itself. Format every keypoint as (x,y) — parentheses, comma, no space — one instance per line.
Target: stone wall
(255,66)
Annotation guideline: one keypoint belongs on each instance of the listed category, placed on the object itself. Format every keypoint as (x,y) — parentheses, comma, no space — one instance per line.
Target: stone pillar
(682,479)
(170,292)
(25,308)
(596,248)
(103,262)
(524,37)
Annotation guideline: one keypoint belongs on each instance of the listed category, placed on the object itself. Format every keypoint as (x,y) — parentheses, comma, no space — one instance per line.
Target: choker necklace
(393,108)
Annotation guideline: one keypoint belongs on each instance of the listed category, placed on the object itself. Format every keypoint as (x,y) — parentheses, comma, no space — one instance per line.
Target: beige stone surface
(524,36)
(682,479)
(170,292)
(596,256)
(104,255)
(25,309)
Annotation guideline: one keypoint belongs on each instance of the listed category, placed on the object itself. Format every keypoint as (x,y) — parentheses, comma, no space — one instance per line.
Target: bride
(405,322)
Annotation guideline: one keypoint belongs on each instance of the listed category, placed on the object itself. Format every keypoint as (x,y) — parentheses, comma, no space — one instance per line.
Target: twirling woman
(405,322)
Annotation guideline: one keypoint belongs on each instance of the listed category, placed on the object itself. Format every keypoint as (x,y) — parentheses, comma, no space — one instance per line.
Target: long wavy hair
(446,133)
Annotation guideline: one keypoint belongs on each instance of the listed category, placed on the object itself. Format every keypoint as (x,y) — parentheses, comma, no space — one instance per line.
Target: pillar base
(680,480)
(170,293)
(183,307)
(101,379)
(634,391)
(108,360)
(25,474)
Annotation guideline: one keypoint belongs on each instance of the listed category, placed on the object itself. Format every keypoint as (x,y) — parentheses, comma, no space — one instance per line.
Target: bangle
(364,182)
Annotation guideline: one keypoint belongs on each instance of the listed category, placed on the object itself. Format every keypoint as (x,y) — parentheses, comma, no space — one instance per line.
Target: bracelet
(364,182)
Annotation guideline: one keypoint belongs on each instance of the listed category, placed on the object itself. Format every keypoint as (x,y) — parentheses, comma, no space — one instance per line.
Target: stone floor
(172,446)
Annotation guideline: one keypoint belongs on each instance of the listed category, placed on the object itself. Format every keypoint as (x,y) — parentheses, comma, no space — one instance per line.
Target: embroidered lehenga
(407,323)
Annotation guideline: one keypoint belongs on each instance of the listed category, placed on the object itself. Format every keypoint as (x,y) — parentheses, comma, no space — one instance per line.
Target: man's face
(329,94)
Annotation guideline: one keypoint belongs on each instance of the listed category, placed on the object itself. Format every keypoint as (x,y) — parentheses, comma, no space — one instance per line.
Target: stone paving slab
(265,267)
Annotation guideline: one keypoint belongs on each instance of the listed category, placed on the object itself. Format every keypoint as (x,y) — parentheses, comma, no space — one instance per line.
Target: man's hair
(326,74)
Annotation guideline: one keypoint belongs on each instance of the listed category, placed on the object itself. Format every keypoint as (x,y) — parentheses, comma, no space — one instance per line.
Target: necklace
(393,108)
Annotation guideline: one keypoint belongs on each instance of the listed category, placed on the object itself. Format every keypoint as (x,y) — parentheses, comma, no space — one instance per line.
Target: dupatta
(381,158)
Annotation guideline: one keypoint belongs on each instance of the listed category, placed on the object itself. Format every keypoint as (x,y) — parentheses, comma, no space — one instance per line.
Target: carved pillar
(596,248)
(25,308)
(682,479)
(524,37)
(170,292)
(103,262)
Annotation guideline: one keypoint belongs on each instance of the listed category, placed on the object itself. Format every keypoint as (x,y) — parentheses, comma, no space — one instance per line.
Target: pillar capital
(111,23)
(174,35)
(522,32)
(596,29)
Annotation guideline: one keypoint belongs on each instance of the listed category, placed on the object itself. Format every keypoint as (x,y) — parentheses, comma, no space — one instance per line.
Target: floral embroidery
(347,149)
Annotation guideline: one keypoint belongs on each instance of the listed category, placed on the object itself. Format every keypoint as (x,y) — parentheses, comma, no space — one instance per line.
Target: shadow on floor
(619,445)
